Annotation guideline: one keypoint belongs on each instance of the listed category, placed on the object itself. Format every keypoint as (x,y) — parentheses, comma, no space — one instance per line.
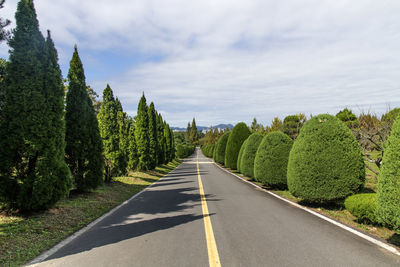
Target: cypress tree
(84,150)
(161,139)
(123,132)
(132,155)
(109,132)
(172,145)
(142,135)
(194,135)
(153,148)
(33,172)
(167,135)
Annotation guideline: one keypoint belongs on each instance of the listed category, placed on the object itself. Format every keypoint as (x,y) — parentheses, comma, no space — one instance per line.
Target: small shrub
(184,151)
(270,164)
(388,205)
(240,155)
(221,147)
(249,153)
(363,206)
(239,133)
(325,163)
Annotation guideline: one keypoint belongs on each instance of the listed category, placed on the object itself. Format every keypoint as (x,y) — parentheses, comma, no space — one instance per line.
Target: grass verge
(23,237)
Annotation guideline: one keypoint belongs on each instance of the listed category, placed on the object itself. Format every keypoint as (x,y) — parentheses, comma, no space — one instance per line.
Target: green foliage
(208,150)
(292,125)
(270,164)
(363,206)
(4,34)
(33,172)
(193,134)
(249,154)
(238,134)
(161,156)
(325,163)
(239,160)
(142,135)
(221,147)
(110,133)
(348,118)
(132,149)
(184,151)
(153,145)
(388,205)
(123,138)
(84,149)
(169,143)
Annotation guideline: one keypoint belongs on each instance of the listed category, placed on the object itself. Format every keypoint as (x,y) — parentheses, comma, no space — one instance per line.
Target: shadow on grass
(394,239)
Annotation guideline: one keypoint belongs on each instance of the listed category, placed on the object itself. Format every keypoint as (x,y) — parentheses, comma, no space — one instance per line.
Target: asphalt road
(164,226)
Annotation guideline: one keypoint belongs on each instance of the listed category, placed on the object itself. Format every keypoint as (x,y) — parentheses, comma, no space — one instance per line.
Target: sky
(229,61)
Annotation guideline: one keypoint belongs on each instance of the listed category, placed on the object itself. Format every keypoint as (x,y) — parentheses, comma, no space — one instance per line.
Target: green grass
(25,236)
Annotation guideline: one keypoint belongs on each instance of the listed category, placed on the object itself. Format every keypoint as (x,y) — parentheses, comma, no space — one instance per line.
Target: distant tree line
(49,143)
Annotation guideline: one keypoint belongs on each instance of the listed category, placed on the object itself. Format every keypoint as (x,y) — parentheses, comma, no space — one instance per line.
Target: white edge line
(44,255)
(345,227)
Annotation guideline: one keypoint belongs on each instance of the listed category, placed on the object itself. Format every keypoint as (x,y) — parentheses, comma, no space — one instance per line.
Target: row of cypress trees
(129,144)
(49,144)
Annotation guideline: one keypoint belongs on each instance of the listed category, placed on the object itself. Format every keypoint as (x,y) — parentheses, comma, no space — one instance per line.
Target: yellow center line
(213,256)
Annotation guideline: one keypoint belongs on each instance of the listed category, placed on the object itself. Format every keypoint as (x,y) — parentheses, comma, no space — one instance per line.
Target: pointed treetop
(118,104)
(76,68)
(108,94)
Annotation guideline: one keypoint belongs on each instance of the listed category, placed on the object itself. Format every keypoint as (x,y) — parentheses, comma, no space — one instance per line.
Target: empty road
(187,220)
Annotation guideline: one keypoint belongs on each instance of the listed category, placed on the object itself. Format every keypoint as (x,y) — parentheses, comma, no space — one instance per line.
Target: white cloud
(228,61)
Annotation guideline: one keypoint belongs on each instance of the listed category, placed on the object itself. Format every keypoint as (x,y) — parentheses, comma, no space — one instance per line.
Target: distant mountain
(204,128)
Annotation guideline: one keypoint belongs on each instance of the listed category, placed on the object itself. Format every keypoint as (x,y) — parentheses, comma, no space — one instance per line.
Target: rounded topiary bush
(239,133)
(363,206)
(208,150)
(325,163)
(388,203)
(221,147)
(270,164)
(249,153)
(240,155)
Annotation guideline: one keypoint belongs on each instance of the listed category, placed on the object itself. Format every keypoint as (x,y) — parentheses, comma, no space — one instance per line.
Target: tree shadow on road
(156,209)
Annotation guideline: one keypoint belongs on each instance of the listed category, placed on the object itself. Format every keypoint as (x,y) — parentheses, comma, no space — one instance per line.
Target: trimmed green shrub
(221,147)
(388,205)
(348,118)
(325,163)
(249,153)
(238,134)
(292,126)
(184,151)
(208,150)
(363,206)
(240,156)
(215,152)
(270,164)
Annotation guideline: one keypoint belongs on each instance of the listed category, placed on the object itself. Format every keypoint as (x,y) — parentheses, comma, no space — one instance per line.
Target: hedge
(388,204)
(325,163)
(221,147)
(239,133)
(363,206)
(184,151)
(240,155)
(208,150)
(270,164)
(249,153)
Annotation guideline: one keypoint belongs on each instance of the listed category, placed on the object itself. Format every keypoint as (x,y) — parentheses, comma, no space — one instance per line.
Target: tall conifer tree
(132,155)
(33,172)
(123,138)
(153,136)
(161,139)
(84,150)
(194,135)
(142,135)
(109,132)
